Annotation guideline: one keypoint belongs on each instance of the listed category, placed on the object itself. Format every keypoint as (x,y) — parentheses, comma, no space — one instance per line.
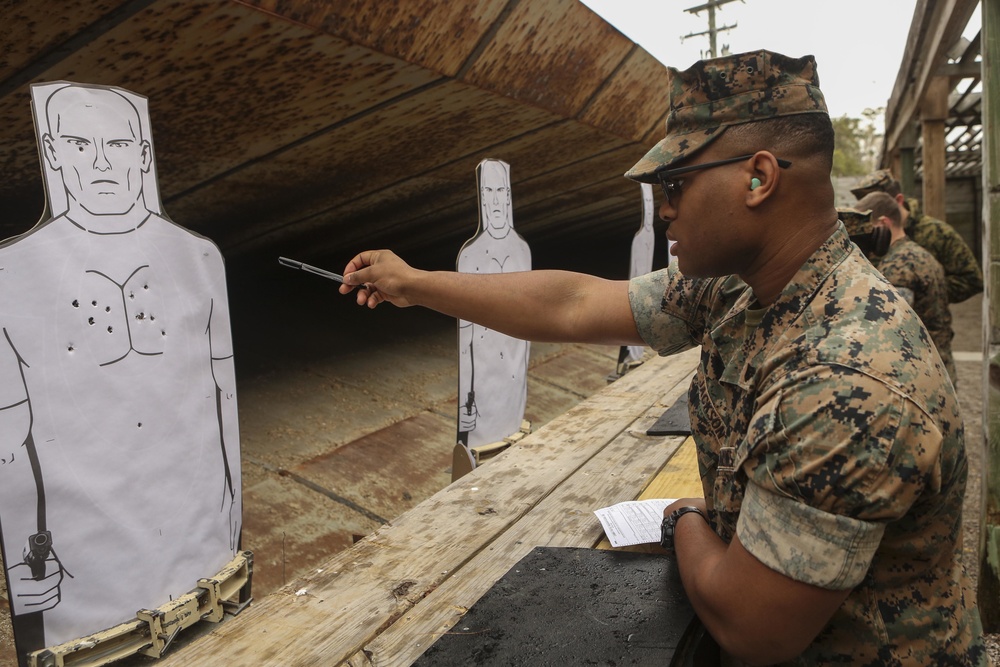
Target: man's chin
(691,271)
(107,207)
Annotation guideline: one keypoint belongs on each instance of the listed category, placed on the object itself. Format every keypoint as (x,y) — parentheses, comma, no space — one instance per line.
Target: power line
(712,31)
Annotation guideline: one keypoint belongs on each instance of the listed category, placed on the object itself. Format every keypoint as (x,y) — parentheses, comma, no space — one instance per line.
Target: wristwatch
(670,523)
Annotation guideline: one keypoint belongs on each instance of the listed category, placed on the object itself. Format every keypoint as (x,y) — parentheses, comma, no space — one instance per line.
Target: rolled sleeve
(672,312)
(804,543)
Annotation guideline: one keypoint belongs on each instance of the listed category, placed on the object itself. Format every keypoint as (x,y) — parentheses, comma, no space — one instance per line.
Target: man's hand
(467,415)
(35,585)
(380,276)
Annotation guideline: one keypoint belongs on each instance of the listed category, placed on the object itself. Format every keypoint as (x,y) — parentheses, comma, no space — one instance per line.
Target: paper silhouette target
(493,367)
(640,263)
(119,442)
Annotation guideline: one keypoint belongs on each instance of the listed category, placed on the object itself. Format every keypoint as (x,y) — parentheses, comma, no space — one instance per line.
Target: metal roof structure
(320,128)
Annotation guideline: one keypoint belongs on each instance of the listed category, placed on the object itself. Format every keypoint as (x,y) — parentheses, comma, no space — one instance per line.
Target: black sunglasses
(672,187)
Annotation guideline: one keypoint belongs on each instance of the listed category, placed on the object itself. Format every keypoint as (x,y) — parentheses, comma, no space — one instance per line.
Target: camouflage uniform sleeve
(831,457)
(672,312)
(965,278)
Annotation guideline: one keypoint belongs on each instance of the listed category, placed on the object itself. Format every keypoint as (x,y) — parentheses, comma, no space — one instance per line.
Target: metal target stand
(152,631)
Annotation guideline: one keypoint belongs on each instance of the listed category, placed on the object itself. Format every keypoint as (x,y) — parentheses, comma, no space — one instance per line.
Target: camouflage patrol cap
(877,181)
(714,94)
(857,222)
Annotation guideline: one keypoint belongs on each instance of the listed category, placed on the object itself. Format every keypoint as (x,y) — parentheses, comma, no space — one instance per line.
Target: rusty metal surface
(31,32)
(317,128)
(553,54)
(437,35)
(639,86)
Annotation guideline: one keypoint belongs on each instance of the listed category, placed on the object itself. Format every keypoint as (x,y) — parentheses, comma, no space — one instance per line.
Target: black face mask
(874,244)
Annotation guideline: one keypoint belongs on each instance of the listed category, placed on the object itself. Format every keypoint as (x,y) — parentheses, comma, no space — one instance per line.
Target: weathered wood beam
(906,168)
(958,71)
(937,25)
(988,593)
(933,114)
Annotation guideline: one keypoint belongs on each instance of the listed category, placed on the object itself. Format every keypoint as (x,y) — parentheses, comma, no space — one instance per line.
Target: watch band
(669,525)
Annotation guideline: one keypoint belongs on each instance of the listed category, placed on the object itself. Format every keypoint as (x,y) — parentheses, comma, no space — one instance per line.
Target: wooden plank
(679,478)
(374,584)
(563,519)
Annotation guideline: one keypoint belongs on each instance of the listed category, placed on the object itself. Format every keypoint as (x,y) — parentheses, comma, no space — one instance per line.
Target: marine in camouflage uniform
(830,444)
(965,278)
(828,440)
(910,267)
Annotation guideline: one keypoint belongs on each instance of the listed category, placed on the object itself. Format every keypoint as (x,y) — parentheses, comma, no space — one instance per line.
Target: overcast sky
(858,44)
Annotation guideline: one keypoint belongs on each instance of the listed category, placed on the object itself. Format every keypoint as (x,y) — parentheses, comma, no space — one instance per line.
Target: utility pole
(712,31)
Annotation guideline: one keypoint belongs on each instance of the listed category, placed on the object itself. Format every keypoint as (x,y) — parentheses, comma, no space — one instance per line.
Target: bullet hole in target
(76,303)
(110,330)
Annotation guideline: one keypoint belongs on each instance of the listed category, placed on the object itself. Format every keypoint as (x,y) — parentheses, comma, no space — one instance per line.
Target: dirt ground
(288,413)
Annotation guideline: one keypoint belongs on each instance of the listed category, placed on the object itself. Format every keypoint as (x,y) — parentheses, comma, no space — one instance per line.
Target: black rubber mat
(568,606)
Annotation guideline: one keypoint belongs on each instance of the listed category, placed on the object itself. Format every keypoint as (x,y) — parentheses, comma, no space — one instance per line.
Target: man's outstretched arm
(552,306)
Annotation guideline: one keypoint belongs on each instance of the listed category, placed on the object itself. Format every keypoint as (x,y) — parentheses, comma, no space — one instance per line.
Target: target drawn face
(494,195)
(96,142)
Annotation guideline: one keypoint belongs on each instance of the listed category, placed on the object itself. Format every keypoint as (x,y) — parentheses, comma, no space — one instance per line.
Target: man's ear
(761,178)
(49,150)
(146,153)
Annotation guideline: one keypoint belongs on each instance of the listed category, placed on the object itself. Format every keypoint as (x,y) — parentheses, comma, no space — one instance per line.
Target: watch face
(667,533)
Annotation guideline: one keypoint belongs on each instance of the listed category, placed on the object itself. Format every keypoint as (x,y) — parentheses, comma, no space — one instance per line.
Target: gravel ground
(967,323)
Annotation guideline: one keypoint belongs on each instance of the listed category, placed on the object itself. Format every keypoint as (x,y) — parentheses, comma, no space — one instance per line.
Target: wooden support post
(907,162)
(989,552)
(905,168)
(933,114)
